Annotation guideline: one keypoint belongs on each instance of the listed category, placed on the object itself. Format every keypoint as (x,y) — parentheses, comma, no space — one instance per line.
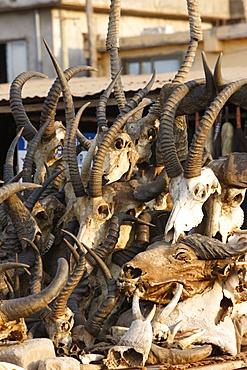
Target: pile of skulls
(139,258)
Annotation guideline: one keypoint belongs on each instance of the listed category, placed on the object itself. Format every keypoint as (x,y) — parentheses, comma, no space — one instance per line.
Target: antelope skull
(188,196)
(120,159)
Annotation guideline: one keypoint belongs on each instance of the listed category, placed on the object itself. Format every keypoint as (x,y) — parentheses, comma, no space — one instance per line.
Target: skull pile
(146,238)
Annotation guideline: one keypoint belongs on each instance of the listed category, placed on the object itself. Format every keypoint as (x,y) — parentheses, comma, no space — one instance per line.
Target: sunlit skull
(59,328)
(120,158)
(93,215)
(224,212)
(188,196)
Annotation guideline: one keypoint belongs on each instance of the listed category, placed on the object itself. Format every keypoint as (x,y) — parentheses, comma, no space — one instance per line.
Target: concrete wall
(213,9)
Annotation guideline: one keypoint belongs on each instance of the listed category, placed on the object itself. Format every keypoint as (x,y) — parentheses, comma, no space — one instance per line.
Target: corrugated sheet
(83,86)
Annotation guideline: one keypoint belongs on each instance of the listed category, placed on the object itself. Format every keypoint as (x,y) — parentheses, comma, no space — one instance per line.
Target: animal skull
(224,212)
(120,159)
(188,196)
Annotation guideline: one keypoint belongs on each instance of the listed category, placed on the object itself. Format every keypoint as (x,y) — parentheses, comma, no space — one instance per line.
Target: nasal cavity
(132,272)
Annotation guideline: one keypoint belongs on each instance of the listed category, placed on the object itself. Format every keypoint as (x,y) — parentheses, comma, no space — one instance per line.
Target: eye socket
(238,198)
(131,212)
(182,254)
(103,211)
(41,216)
(119,144)
(151,134)
(200,192)
(65,326)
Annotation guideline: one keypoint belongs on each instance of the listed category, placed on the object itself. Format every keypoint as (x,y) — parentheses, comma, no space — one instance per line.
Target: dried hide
(188,197)
(195,262)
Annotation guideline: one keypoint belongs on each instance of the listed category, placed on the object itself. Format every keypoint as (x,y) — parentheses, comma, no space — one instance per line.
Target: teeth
(48,245)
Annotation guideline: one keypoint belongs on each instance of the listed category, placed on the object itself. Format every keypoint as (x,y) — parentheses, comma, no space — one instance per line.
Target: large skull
(188,196)
(195,262)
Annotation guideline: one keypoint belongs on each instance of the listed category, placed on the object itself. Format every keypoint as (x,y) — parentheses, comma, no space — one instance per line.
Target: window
(161,64)
(16,58)
(13,60)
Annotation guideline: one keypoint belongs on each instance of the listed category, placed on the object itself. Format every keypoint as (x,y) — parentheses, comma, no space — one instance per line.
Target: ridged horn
(25,306)
(61,301)
(17,109)
(95,180)
(167,142)
(72,157)
(8,172)
(101,106)
(139,96)
(195,37)
(7,190)
(51,101)
(29,157)
(193,163)
(112,45)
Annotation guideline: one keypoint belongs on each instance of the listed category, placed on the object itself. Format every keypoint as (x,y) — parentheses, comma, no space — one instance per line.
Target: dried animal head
(195,262)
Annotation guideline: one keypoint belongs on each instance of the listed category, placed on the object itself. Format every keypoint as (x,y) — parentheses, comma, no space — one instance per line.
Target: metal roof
(89,86)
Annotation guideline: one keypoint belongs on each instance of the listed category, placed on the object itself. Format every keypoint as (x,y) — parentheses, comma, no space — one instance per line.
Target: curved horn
(5,266)
(239,97)
(193,163)
(29,157)
(7,190)
(33,198)
(201,95)
(9,161)
(138,97)
(16,105)
(14,309)
(38,273)
(220,83)
(112,45)
(68,101)
(195,37)
(101,106)
(95,181)
(61,301)
(167,142)
(71,155)
(51,101)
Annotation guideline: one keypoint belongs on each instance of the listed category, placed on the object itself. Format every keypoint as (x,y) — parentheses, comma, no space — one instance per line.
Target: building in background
(153,34)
